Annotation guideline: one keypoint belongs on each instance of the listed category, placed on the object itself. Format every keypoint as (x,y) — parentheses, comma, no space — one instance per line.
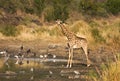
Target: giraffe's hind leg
(86,54)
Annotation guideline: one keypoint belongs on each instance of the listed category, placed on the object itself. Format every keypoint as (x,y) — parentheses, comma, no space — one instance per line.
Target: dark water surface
(42,70)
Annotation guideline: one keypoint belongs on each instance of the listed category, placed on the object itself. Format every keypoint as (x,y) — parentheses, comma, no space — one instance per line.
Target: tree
(39,5)
(113,6)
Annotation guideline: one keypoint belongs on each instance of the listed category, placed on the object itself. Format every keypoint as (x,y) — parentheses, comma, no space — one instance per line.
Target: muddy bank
(52,69)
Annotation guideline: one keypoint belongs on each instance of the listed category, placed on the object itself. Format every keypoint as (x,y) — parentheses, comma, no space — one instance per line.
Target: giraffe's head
(59,22)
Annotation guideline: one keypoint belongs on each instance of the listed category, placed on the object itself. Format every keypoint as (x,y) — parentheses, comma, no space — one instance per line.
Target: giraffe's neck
(66,32)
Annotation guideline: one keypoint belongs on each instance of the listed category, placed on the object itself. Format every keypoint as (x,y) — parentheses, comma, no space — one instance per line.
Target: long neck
(66,32)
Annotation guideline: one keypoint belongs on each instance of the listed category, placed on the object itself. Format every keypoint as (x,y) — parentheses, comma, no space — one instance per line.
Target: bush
(49,13)
(9,30)
(113,6)
(58,10)
(55,32)
(9,5)
(96,34)
(25,6)
(108,71)
(93,24)
(92,7)
(39,6)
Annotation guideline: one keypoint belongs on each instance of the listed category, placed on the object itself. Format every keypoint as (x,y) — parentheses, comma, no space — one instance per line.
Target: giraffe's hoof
(70,66)
(67,66)
(88,65)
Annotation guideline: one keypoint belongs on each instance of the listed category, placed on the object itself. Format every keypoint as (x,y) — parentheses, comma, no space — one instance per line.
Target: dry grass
(109,72)
(26,33)
(112,73)
(82,29)
(1,63)
(108,30)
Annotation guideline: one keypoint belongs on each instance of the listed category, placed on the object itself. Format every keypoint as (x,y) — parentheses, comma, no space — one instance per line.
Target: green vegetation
(28,6)
(107,72)
(32,18)
(96,20)
(61,9)
(92,7)
(9,30)
(113,6)
(39,6)
(96,34)
(57,9)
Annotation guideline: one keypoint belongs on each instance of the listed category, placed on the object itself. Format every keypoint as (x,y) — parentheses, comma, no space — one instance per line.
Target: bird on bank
(6,57)
(19,59)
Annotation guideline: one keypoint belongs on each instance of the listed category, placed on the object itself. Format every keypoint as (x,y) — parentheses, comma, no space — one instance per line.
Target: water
(46,60)
(39,70)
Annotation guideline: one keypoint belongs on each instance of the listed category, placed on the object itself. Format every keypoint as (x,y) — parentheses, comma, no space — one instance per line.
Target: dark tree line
(60,9)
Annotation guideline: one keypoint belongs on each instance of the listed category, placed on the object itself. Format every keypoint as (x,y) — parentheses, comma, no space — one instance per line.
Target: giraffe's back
(78,42)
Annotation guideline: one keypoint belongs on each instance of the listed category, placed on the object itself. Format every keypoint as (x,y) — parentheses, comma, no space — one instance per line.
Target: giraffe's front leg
(68,63)
(71,58)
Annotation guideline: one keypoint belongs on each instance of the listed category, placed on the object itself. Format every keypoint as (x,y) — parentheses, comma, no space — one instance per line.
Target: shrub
(41,30)
(39,6)
(9,5)
(92,7)
(49,13)
(108,71)
(93,24)
(9,30)
(58,10)
(55,32)
(96,34)
(113,6)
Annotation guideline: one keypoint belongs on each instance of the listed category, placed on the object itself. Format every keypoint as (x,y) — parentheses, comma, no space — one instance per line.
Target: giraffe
(73,42)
